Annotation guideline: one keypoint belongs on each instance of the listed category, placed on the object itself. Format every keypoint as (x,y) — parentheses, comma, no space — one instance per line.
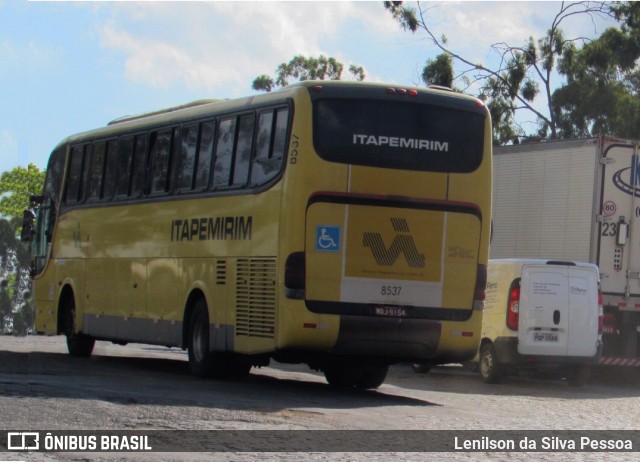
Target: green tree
(16,187)
(306,68)
(601,94)
(523,74)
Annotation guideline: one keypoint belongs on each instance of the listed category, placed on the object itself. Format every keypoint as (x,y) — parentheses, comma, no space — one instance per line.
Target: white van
(543,316)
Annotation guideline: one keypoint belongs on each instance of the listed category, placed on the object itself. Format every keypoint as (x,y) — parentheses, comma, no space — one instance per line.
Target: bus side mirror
(28,226)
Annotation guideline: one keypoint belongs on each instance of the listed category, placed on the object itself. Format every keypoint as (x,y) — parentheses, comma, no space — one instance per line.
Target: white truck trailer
(577,200)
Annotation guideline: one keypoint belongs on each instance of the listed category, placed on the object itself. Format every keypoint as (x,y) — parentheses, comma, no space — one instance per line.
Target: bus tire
(372,377)
(578,376)
(421,368)
(342,375)
(78,344)
(238,367)
(201,359)
(489,367)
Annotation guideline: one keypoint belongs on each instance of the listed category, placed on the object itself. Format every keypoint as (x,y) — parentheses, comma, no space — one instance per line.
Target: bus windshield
(398,134)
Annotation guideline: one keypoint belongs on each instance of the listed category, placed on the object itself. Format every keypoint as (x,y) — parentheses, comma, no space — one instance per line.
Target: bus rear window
(402,135)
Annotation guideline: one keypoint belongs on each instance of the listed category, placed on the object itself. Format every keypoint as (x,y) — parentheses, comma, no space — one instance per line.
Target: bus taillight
(402,91)
(481,287)
(294,276)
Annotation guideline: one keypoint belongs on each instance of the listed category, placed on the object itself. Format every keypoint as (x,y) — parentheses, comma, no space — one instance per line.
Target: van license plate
(545,337)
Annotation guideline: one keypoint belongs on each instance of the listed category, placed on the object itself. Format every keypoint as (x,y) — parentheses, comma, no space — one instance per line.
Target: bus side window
(76,174)
(139,167)
(280,135)
(125,156)
(205,155)
(186,157)
(110,170)
(96,171)
(242,155)
(224,153)
(160,157)
(271,143)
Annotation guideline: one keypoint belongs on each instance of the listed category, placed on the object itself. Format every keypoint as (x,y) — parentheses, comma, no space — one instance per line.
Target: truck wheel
(421,368)
(78,344)
(578,376)
(490,369)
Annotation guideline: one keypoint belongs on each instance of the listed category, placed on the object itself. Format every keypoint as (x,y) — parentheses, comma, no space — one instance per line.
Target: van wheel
(490,369)
(578,376)
(78,344)
(421,368)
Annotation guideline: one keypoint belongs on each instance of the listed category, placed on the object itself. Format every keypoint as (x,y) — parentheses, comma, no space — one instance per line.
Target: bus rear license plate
(545,337)
(391,311)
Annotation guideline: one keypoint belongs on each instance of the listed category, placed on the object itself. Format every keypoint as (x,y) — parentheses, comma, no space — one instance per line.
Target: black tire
(205,363)
(201,359)
(238,367)
(78,344)
(421,368)
(342,375)
(372,377)
(489,367)
(579,375)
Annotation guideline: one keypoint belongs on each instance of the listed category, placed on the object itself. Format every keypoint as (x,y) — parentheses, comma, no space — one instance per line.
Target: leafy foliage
(603,82)
(16,186)
(306,68)
(16,311)
(523,78)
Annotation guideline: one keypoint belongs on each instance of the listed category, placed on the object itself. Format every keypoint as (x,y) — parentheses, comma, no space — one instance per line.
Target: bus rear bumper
(394,338)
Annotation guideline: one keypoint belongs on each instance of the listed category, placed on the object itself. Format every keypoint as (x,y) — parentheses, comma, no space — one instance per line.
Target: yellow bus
(337,224)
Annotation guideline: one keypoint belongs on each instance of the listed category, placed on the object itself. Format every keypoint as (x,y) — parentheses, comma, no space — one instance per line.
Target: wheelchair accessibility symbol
(327,238)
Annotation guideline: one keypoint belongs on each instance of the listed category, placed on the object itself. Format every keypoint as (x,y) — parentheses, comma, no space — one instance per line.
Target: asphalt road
(141,388)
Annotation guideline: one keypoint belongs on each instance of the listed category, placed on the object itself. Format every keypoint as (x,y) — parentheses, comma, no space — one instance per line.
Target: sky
(67,67)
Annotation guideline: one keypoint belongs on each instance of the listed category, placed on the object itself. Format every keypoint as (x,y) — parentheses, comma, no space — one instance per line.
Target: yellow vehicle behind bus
(342,225)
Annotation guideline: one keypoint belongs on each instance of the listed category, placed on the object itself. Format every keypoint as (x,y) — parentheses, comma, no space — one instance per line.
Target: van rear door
(558,310)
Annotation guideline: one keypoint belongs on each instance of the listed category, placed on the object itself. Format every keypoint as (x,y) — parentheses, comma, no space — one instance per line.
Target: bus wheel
(78,344)
(201,359)
(421,368)
(342,375)
(372,377)
(490,369)
(238,367)
(578,376)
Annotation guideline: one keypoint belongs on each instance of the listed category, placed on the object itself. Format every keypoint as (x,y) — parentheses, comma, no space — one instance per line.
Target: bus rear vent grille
(256,297)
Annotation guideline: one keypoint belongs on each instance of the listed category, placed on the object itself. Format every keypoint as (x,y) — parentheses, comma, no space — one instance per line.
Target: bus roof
(201,108)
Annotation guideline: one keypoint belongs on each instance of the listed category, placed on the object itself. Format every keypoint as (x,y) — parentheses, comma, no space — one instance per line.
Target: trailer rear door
(618,239)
